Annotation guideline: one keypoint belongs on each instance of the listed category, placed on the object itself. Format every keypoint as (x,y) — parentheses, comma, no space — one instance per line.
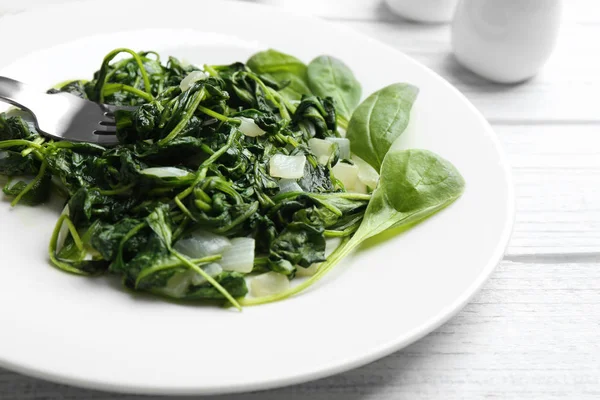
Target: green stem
(202,169)
(102,78)
(344,249)
(217,115)
(184,209)
(187,115)
(31,184)
(149,271)
(52,248)
(20,142)
(28,150)
(346,232)
(113,88)
(251,210)
(209,278)
(120,190)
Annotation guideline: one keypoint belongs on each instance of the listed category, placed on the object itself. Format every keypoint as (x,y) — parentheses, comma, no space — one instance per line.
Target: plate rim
(337,366)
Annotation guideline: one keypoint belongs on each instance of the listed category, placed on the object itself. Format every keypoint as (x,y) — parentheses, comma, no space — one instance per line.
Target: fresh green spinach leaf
(380,120)
(330,77)
(282,68)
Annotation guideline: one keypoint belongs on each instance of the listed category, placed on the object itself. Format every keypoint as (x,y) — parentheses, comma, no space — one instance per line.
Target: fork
(64,116)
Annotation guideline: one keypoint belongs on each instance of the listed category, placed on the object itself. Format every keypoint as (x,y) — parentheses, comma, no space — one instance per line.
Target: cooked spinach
(380,120)
(222,172)
(414,185)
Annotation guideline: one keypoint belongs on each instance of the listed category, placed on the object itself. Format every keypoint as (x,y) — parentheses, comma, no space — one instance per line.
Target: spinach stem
(116,191)
(217,115)
(184,209)
(112,88)
(343,249)
(187,115)
(52,248)
(209,278)
(162,267)
(20,142)
(102,78)
(31,184)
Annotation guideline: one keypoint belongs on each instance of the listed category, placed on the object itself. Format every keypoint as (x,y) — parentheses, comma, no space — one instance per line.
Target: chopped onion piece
(268,284)
(178,284)
(343,145)
(166,172)
(192,77)
(322,149)
(347,174)
(3,154)
(240,256)
(323,160)
(249,128)
(310,271)
(212,270)
(311,129)
(289,185)
(359,187)
(366,173)
(63,232)
(290,167)
(202,244)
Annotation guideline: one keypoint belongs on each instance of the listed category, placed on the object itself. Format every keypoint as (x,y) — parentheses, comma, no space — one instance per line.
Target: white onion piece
(212,270)
(289,185)
(202,244)
(249,128)
(366,173)
(290,167)
(359,187)
(178,284)
(311,129)
(343,145)
(3,154)
(63,232)
(189,80)
(310,271)
(322,149)
(330,245)
(268,284)
(165,172)
(240,256)
(323,160)
(347,174)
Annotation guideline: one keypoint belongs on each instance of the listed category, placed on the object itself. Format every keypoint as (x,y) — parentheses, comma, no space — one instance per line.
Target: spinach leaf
(32,195)
(379,121)
(330,77)
(414,185)
(282,68)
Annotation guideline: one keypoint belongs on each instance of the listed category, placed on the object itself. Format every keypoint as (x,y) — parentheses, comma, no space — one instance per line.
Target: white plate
(89,332)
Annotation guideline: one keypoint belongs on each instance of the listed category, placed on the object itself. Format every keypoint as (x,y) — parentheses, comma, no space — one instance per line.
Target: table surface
(533,330)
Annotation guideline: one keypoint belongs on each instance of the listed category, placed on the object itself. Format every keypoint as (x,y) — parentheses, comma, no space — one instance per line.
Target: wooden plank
(530,333)
(556,171)
(561,92)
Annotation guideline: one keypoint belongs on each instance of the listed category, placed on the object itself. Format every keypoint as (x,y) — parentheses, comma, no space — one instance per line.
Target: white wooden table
(533,332)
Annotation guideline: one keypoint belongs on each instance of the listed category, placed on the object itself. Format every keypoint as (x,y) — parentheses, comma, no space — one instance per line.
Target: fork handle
(19,94)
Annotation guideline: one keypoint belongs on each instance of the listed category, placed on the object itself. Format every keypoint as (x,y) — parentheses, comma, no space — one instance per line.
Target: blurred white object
(434,11)
(505,41)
